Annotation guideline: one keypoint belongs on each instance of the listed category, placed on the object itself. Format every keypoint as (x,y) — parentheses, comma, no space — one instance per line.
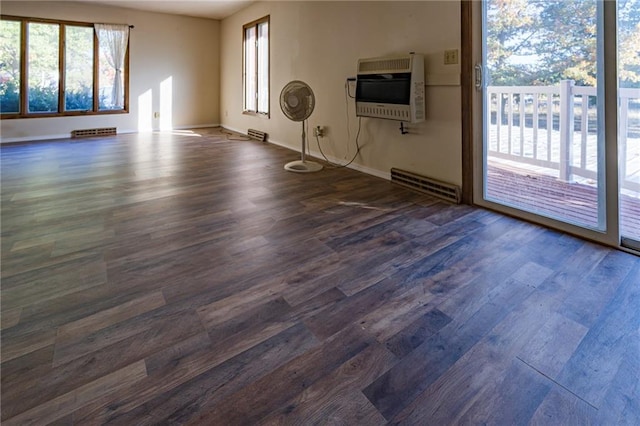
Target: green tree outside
(541,42)
(44,78)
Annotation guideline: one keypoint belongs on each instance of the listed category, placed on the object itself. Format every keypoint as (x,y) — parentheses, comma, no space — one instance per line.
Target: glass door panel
(544,144)
(629,119)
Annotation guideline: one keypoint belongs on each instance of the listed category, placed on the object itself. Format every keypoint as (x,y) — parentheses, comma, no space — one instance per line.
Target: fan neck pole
(304,142)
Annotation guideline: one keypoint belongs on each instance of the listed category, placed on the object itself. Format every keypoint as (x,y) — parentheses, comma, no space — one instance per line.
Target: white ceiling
(213,9)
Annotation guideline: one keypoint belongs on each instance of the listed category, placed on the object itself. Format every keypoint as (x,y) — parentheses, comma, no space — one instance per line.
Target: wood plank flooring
(188,279)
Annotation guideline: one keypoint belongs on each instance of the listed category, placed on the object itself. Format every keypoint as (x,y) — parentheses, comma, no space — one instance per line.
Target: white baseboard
(120,132)
(243,132)
(318,155)
(196,126)
(34,138)
(125,131)
(158,130)
(354,166)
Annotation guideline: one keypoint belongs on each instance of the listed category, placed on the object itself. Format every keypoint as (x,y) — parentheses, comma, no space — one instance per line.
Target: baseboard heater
(442,190)
(87,133)
(257,135)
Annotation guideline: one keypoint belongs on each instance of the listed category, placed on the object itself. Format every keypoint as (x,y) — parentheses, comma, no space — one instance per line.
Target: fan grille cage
(297,100)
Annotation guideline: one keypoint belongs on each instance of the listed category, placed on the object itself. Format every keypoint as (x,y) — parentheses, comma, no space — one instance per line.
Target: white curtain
(113,40)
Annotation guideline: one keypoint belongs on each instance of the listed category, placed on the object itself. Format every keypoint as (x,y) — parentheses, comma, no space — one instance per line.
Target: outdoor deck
(542,152)
(577,202)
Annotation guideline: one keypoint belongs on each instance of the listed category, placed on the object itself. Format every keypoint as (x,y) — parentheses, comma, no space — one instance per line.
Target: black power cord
(338,166)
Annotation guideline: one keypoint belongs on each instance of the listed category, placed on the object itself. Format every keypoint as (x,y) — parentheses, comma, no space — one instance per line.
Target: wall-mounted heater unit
(391,88)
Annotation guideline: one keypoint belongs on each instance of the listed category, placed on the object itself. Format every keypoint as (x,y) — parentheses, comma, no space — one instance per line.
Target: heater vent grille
(87,133)
(385,64)
(257,135)
(442,190)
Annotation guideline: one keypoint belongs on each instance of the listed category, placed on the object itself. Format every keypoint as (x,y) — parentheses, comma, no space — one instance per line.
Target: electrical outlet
(318,131)
(451,57)
(156,115)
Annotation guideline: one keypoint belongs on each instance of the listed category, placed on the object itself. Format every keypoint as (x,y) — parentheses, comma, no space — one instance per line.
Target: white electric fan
(297,102)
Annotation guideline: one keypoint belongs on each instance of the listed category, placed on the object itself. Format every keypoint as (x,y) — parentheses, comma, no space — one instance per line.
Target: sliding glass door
(550,110)
(629,119)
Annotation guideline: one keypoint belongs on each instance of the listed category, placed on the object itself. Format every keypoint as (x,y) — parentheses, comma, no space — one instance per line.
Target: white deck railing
(555,127)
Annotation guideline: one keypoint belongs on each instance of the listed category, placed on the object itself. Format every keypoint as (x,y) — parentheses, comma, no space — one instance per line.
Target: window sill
(257,114)
(9,116)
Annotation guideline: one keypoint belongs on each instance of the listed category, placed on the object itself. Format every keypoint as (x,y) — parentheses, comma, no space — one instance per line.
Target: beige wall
(319,43)
(184,49)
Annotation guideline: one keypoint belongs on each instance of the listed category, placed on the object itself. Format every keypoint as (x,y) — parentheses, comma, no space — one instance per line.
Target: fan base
(303,166)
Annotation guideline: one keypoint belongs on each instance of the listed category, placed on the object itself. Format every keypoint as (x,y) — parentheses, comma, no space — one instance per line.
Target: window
(43,85)
(78,69)
(256,66)
(10,67)
(58,68)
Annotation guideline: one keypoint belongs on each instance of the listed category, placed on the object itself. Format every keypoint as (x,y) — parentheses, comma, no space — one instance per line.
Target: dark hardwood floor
(187,278)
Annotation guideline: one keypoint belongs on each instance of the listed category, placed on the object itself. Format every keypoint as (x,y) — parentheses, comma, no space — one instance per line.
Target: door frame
(473,132)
